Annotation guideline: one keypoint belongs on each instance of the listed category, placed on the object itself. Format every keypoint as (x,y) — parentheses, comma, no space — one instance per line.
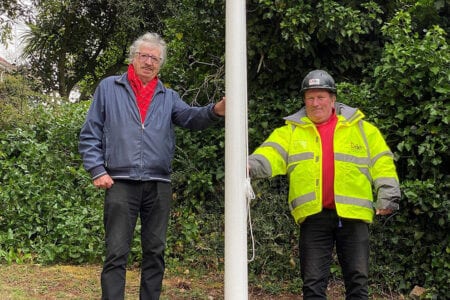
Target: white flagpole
(236,277)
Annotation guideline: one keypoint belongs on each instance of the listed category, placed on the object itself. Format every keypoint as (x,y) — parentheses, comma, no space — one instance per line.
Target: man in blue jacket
(127,144)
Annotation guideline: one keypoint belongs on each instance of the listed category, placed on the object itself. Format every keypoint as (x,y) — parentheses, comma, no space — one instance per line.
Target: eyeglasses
(144,57)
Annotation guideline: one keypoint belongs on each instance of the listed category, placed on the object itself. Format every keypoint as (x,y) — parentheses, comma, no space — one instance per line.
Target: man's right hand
(104,182)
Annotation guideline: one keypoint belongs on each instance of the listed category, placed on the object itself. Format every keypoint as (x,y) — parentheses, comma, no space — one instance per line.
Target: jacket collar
(344,112)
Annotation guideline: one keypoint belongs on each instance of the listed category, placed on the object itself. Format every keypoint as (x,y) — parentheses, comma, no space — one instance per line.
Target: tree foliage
(420,100)
(18,94)
(80,42)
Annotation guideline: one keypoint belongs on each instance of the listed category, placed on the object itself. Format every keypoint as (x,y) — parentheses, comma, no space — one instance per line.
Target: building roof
(5,65)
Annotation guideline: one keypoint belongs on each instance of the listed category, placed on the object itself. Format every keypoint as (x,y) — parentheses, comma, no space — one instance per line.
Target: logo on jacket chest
(356,148)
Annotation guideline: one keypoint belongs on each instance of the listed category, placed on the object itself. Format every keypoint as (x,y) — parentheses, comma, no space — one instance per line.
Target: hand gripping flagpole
(236,277)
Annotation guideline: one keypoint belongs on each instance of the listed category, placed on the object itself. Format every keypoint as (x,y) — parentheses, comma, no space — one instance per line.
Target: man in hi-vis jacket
(335,162)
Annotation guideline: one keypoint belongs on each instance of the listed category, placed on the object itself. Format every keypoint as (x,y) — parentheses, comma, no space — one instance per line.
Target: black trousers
(318,236)
(124,202)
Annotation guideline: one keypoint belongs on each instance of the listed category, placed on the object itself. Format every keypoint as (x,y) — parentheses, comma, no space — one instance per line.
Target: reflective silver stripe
(389,181)
(352,159)
(290,168)
(302,156)
(277,147)
(385,153)
(363,134)
(301,200)
(365,171)
(354,201)
(292,159)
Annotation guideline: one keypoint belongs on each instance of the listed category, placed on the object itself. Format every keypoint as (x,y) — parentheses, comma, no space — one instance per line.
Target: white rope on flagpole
(250,197)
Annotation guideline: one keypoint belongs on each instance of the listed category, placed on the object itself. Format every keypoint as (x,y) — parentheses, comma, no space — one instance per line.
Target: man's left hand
(383,212)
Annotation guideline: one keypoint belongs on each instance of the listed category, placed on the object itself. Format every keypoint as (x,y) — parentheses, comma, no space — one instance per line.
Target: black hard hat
(318,79)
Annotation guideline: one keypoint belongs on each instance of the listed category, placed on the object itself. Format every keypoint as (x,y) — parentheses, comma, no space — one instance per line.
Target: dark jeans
(124,201)
(318,235)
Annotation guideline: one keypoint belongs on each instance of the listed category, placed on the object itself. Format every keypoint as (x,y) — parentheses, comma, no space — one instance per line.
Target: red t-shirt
(326,131)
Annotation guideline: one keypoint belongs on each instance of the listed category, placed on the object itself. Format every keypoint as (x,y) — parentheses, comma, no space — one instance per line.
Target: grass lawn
(37,282)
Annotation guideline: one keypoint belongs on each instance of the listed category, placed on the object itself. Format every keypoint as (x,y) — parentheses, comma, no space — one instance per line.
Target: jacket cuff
(215,116)
(259,166)
(98,171)
(387,204)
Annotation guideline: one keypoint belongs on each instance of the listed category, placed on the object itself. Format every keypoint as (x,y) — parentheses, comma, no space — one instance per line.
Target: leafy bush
(49,210)
(412,247)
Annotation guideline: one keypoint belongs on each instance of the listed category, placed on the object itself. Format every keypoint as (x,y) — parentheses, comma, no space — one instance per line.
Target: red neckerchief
(144,94)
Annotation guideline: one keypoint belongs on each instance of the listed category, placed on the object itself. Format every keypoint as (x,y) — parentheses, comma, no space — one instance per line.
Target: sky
(14,50)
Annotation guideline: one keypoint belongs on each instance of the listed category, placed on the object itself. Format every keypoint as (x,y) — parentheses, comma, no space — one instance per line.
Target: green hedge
(49,208)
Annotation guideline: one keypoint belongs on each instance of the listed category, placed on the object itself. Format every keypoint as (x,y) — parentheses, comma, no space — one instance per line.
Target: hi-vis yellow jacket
(364,165)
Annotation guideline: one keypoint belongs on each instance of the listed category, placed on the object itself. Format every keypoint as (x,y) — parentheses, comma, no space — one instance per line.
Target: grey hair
(149,38)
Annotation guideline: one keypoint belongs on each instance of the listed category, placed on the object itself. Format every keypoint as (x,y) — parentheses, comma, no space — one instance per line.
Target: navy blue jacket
(113,139)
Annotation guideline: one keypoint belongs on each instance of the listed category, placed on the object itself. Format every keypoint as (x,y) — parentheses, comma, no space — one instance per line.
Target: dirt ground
(35,282)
